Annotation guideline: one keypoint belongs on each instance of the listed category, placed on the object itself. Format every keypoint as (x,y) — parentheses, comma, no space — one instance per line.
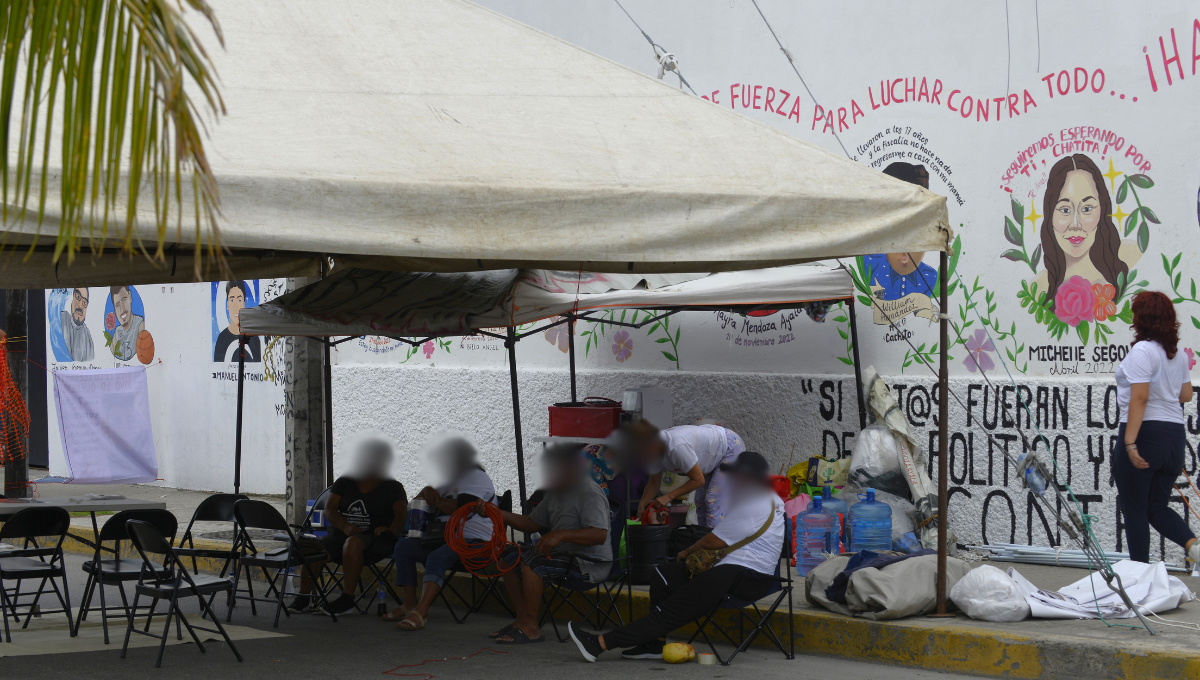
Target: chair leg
(64,599)
(149,613)
(316,586)
(129,628)
(89,588)
(103,611)
(162,645)
(237,575)
(37,596)
(180,617)
(5,608)
(124,600)
(220,628)
(278,594)
(250,592)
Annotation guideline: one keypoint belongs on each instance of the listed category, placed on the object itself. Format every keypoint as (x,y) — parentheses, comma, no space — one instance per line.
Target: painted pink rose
(1191,357)
(622,346)
(1075,301)
(110,322)
(428,349)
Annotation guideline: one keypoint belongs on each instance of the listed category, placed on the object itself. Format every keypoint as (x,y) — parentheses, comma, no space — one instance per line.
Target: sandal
(520,638)
(401,611)
(411,626)
(502,632)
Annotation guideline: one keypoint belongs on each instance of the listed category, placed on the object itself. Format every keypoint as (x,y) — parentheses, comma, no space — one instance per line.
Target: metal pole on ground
(511,344)
(858,384)
(328,415)
(943,434)
(571,352)
(237,447)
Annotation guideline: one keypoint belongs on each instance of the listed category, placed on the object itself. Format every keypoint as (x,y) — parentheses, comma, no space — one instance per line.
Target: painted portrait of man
(225,348)
(126,325)
(76,335)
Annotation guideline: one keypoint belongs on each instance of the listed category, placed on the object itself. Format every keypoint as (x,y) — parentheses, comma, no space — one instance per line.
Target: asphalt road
(362,646)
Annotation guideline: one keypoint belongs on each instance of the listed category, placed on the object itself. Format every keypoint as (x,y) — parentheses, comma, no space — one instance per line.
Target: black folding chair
(481,588)
(750,612)
(216,508)
(600,599)
(29,562)
(275,564)
(164,577)
(116,571)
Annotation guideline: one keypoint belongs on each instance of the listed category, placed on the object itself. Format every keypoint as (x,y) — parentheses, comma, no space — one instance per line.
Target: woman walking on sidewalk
(1153,383)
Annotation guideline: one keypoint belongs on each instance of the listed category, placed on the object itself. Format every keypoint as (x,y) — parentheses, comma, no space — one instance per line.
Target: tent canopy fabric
(437,135)
(356,302)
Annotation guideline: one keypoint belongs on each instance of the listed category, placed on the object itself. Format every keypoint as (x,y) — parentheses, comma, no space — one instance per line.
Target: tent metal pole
(943,434)
(237,447)
(858,384)
(571,353)
(328,379)
(511,345)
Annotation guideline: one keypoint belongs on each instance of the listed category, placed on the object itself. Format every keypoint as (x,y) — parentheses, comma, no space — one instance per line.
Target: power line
(666,60)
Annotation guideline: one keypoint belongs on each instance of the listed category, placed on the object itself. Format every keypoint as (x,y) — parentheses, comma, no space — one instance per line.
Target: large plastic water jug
(840,507)
(816,533)
(870,524)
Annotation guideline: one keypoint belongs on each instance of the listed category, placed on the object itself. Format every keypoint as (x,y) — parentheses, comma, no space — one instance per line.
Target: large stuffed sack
(989,594)
(906,588)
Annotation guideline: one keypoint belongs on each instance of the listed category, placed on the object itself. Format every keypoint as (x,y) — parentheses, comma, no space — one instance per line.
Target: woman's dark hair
(1105,250)
(1154,319)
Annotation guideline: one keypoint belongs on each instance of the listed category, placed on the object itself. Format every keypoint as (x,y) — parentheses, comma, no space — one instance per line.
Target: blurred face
(905,263)
(561,473)
(235,302)
(742,488)
(1077,214)
(372,460)
(123,307)
(79,304)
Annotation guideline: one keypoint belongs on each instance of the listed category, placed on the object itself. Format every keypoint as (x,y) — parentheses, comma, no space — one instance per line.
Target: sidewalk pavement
(1029,649)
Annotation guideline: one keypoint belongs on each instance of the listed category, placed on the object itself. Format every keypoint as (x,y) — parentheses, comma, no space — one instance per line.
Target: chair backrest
(115,528)
(35,522)
(216,508)
(146,538)
(150,545)
(505,503)
(252,514)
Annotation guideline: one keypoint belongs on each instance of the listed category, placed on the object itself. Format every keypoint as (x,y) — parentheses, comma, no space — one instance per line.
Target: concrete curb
(954,645)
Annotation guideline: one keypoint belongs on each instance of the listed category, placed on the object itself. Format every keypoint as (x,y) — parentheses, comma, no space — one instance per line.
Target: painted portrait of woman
(1079,237)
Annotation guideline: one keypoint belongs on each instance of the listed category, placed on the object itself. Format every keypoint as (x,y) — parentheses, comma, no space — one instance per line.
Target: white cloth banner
(104,421)
(1148,586)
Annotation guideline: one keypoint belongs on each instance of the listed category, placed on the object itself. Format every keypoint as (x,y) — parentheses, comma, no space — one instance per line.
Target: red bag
(655,514)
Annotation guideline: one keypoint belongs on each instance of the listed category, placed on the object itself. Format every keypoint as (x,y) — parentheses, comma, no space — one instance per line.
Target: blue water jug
(870,524)
(816,533)
(840,507)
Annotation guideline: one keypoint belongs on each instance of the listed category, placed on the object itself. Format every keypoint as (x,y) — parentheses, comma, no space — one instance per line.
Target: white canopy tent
(436,135)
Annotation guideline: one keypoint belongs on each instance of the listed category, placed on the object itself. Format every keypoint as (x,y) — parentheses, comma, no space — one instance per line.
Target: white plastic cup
(706,659)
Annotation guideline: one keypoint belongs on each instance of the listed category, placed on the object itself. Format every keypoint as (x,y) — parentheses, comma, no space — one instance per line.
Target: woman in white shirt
(1153,383)
(696,451)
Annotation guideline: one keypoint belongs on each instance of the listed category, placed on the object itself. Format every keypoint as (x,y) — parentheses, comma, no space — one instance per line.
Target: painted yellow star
(1112,175)
(1033,215)
(1119,216)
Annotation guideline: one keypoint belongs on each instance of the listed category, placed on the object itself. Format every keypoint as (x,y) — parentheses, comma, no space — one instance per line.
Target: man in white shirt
(754,525)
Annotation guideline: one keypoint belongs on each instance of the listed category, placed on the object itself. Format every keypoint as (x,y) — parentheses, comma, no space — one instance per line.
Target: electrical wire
(481,559)
(429,676)
(657,47)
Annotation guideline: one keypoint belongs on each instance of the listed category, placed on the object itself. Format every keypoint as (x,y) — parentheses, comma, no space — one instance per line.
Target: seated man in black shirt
(367,510)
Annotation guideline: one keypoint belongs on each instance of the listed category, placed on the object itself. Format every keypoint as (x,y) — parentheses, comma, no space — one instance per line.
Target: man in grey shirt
(74,329)
(573,520)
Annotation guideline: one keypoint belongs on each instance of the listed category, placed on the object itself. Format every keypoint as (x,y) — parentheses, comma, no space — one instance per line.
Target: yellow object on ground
(678,652)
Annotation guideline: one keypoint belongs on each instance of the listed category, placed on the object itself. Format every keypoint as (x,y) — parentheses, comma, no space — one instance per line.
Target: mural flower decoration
(110,322)
(1191,357)
(622,346)
(428,348)
(1075,301)
(1105,307)
(560,335)
(978,358)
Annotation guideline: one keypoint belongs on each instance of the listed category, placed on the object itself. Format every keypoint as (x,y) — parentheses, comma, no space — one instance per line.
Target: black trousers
(1145,494)
(677,600)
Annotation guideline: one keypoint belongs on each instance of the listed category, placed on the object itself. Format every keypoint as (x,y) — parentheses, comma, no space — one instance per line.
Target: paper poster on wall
(229,298)
(104,422)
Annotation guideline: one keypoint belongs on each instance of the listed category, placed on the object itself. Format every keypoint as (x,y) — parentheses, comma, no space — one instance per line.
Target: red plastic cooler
(594,417)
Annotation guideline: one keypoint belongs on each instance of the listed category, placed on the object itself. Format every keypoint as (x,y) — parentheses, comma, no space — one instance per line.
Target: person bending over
(454,459)
(366,509)
(573,521)
(754,522)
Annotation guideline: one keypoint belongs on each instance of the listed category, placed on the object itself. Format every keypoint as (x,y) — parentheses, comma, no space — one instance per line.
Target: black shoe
(301,604)
(588,644)
(650,650)
(342,604)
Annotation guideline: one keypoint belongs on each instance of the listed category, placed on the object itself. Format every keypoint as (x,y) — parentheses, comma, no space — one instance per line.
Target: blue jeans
(437,562)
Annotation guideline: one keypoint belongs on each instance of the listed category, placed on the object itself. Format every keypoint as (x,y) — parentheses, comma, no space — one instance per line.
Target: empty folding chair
(275,564)
(164,577)
(751,613)
(216,508)
(28,562)
(114,570)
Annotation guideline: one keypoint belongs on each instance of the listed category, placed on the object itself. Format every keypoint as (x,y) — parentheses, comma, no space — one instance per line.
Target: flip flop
(404,612)
(502,632)
(520,638)
(411,627)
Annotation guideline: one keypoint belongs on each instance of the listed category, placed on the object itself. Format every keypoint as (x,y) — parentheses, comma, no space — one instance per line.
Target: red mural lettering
(842,126)
(855,112)
(1049,85)
(733,94)
(964,109)
(910,90)
(950,100)
(818,114)
(796,110)
(1080,87)
(1098,88)
(871,96)
(937,89)
(1013,99)
(923,92)
(714,96)
(783,103)
(1027,101)
(770,98)
(754,99)
(1166,61)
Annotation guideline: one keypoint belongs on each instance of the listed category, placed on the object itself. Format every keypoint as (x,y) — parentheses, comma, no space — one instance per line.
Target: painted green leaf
(677,335)
(1143,237)
(1123,191)
(840,319)
(1196,322)
(1037,258)
(662,340)
(1149,214)
(1014,255)
(1166,264)
(670,356)
(1175,262)
(653,328)
(1018,211)
(846,361)
(1131,221)
(1193,289)
(1142,181)
(842,333)
(1012,233)
(865,300)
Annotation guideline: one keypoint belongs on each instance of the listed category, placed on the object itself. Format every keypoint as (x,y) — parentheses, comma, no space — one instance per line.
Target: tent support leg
(511,344)
(237,447)
(328,416)
(571,353)
(943,431)
(858,384)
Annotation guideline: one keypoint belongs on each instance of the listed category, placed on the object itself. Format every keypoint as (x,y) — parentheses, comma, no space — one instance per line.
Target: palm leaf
(101,101)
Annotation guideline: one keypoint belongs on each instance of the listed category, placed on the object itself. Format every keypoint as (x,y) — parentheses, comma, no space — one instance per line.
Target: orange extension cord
(481,559)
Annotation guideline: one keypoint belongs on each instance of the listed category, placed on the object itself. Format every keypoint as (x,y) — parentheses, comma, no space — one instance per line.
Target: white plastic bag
(988,594)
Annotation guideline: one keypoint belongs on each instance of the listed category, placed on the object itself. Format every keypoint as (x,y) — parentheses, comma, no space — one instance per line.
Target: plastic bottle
(1032,475)
(380,601)
(841,508)
(418,514)
(816,534)
(870,524)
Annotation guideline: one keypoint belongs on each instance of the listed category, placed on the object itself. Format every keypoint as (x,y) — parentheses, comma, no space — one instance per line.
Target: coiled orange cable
(481,559)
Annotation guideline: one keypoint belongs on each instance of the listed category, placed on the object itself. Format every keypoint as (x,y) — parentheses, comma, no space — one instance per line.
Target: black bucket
(648,547)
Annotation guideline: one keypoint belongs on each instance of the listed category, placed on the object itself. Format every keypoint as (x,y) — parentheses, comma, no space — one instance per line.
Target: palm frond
(102,102)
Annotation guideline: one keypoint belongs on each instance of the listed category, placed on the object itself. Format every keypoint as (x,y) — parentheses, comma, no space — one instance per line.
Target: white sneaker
(1193,553)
